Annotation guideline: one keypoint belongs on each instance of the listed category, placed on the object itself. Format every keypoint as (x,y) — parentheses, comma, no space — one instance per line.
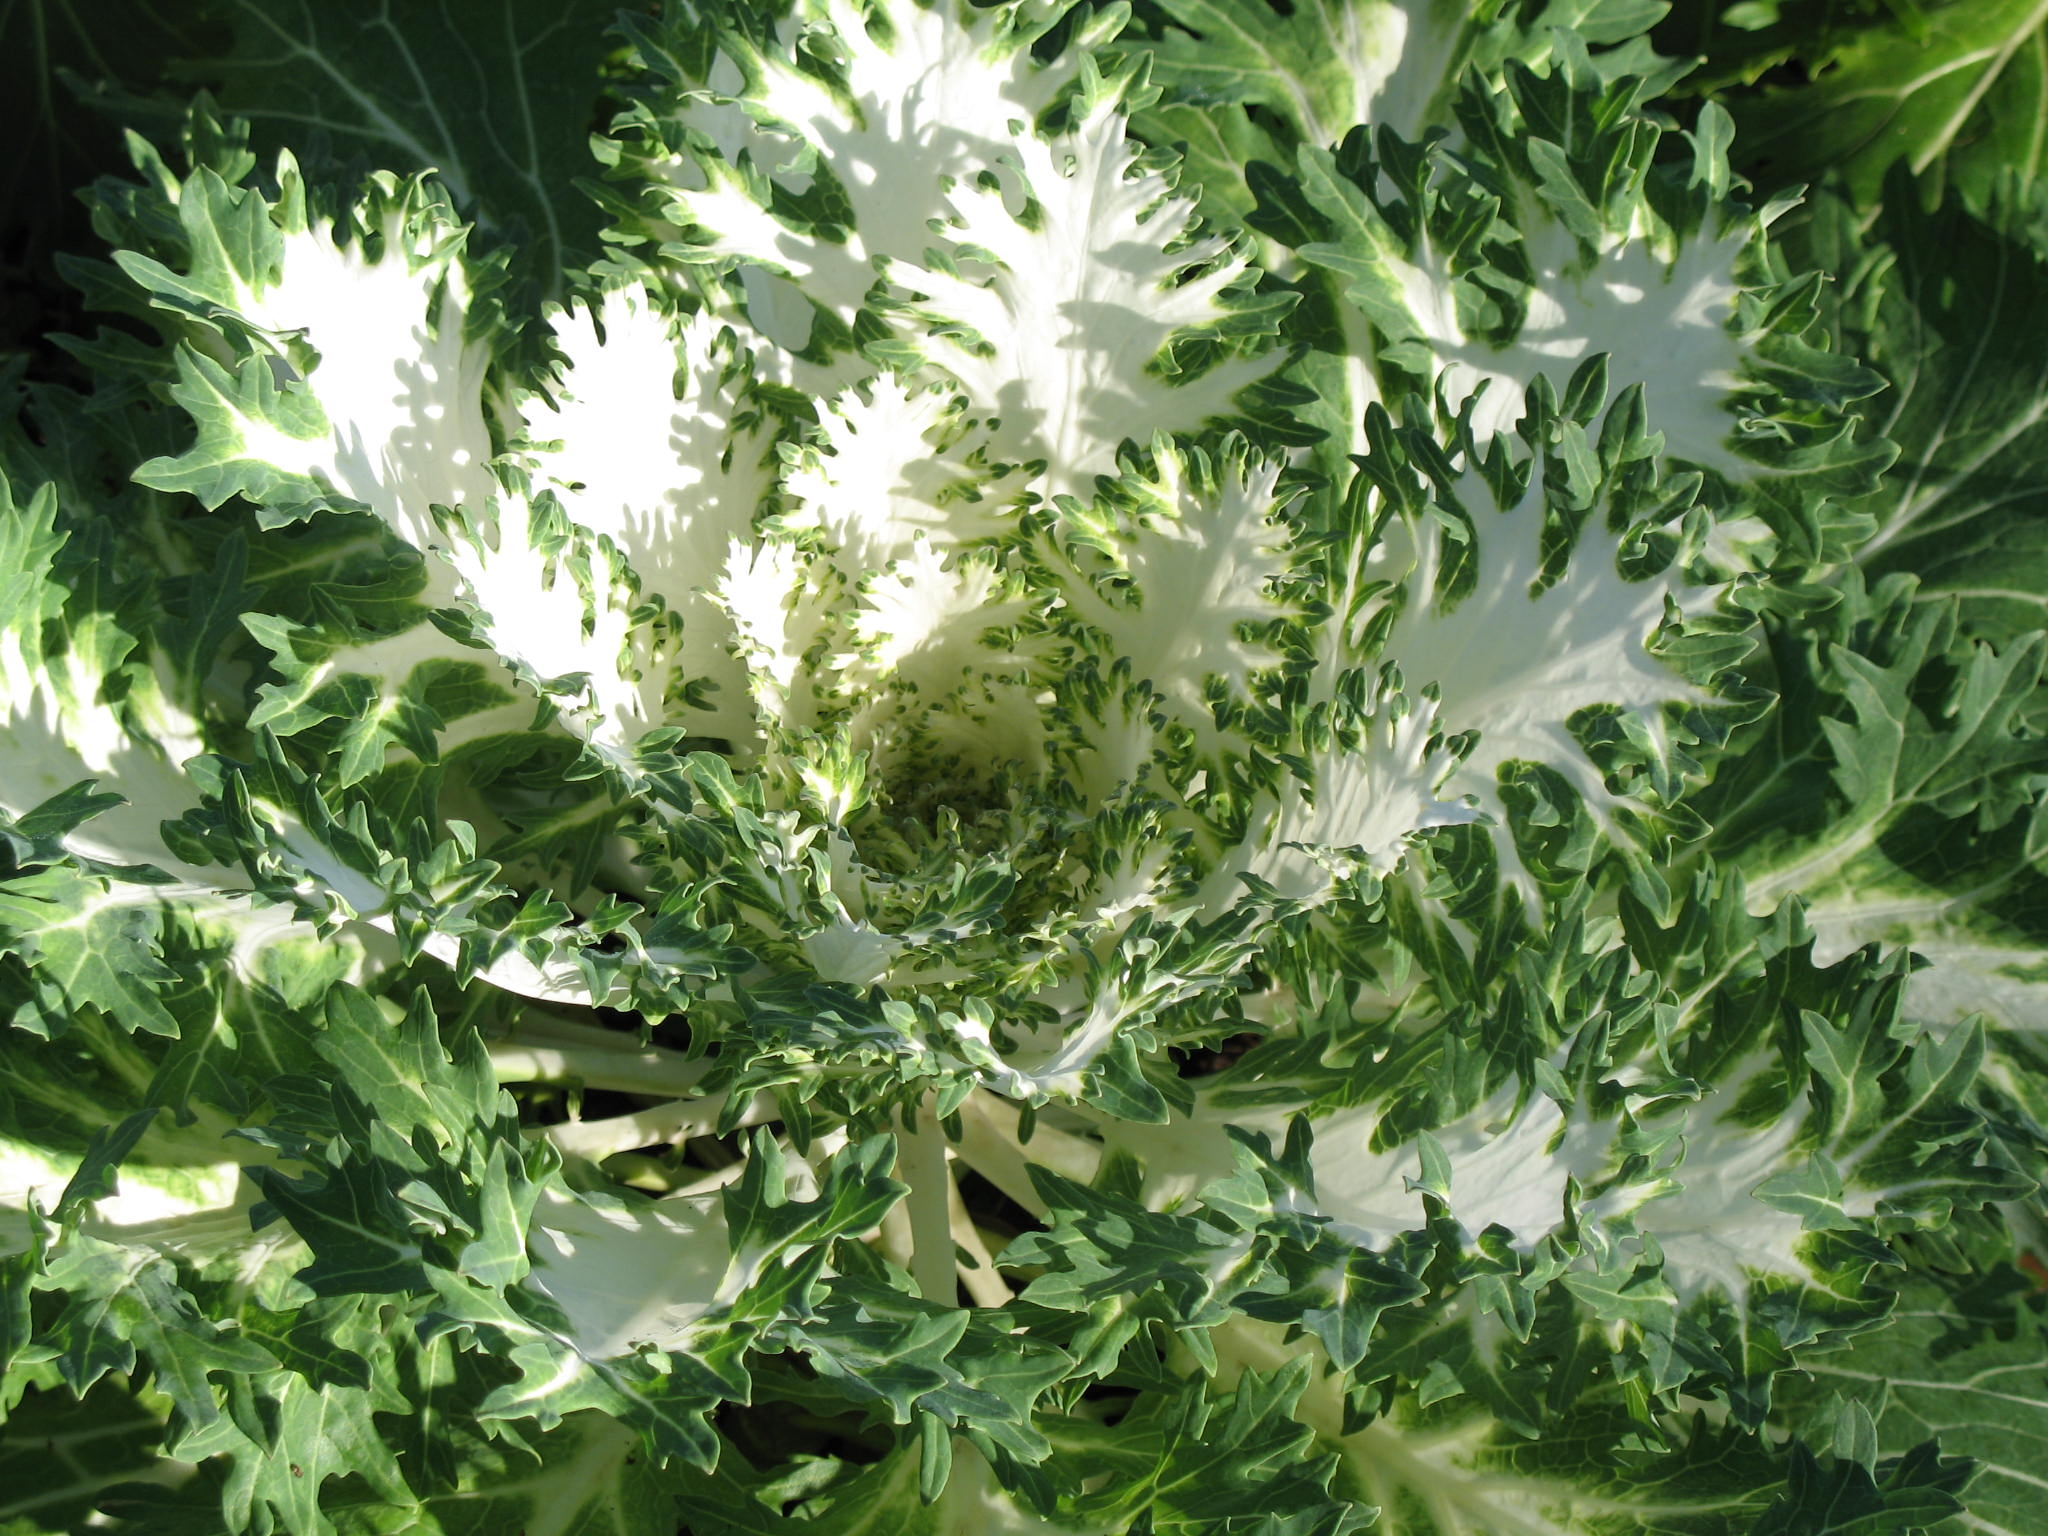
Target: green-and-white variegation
(1141,779)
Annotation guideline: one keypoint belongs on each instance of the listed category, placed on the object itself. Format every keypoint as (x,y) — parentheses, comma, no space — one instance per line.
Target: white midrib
(447,166)
(1765,892)
(1931,909)
(559,1495)
(1912,504)
(1915,1384)
(1988,78)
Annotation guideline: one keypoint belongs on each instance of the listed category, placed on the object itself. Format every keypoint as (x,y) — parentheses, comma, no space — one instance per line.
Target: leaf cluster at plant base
(1211,768)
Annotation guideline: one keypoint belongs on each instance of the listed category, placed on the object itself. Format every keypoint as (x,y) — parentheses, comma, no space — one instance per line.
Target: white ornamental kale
(1080,805)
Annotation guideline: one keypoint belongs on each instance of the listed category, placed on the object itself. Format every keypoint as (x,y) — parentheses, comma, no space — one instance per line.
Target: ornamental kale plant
(1232,768)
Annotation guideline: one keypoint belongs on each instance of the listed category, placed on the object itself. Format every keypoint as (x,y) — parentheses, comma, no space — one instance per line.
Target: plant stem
(544,1048)
(977,1271)
(711,1182)
(895,1235)
(651,1072)
(921,1163)
(989,1145)
(672,1122)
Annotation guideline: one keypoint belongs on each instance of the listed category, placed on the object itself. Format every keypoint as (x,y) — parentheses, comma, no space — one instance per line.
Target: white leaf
(1665,324)
(1052,320)
(1195,557)
(381,343)
(922,96)
(1513,662)
(647,441)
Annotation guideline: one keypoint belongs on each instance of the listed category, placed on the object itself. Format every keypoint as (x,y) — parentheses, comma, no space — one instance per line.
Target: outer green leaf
(1976,1375)
(1955,90)
(1326,67)
(1945,305)
(494,98)
(57,1452)
(91,946)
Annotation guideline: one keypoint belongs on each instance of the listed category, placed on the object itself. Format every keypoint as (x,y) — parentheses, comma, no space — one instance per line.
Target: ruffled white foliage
(669,475)
(1514,663)
(376,332)
(922,623)
(1194,560)
(889,622)
(925,96)
(762,590)
(572,631)
(646,440)
(380,339)
(1371,792)
(1051,320)
(1118,749)
(1665,323)
(894,464)
(380,342)
(936,692)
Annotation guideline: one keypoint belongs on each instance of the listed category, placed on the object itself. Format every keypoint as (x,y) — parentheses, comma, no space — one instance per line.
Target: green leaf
(1943,304)
(496,99)
(1953,88)
(1964,1360)
(59,1451)
(123,1308)
(92,946)
(1196,1464)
